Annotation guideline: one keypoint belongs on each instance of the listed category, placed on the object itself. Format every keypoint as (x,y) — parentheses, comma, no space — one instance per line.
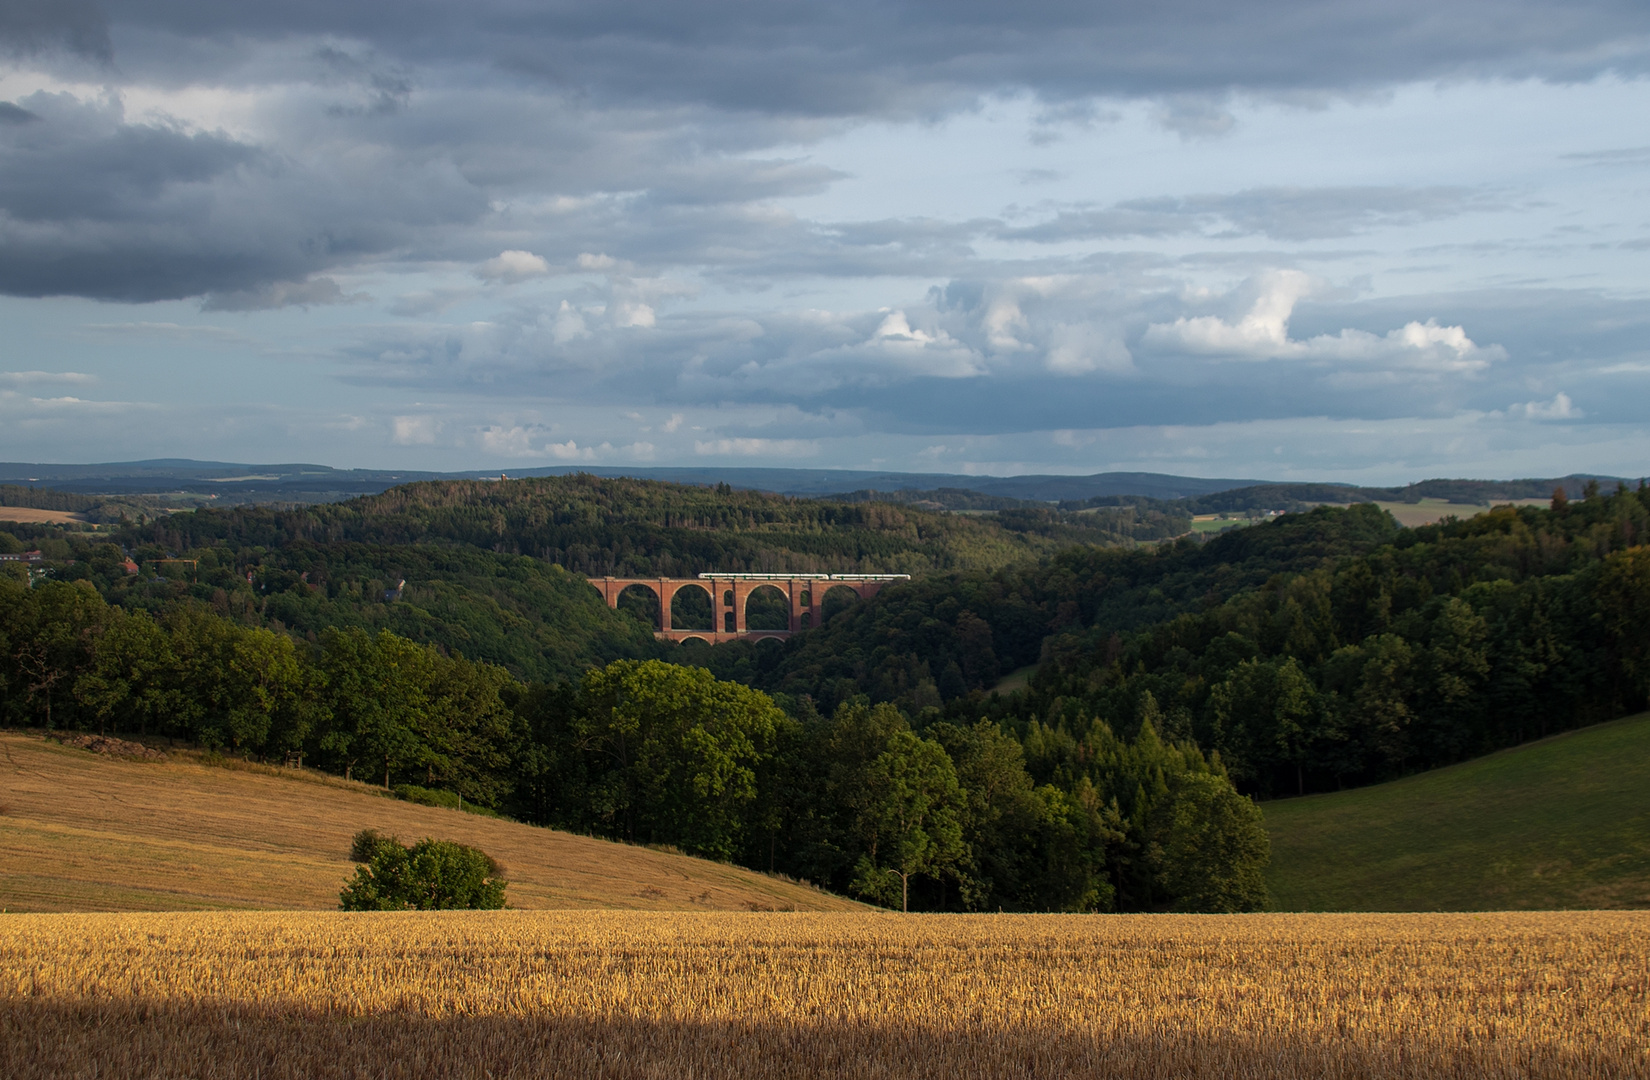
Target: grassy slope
(1562,823)
(80,832)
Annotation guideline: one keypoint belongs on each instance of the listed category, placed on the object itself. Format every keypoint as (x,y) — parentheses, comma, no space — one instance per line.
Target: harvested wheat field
(29,515)
(81,831)
(641,994)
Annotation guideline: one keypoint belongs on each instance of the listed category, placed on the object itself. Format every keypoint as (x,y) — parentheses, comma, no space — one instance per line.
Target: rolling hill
(84,832)
(1560,823)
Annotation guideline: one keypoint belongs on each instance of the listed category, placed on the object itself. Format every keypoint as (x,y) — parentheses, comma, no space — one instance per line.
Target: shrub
(432,875)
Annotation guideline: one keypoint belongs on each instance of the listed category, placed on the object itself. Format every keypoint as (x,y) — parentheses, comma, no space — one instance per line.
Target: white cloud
(673,424)
(1079,348)
(571,451)
(524,441)
(1262,333)
(1560,408)
(1073,323)
(896,346)
(1002,320)
(513,266)
(569,325)
(896,325)
(631,313)
(416,430)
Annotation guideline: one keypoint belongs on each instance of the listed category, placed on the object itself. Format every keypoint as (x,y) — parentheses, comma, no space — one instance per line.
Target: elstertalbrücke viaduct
(729,592)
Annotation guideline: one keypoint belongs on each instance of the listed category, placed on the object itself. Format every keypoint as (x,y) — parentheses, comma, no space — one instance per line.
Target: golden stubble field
(643,995)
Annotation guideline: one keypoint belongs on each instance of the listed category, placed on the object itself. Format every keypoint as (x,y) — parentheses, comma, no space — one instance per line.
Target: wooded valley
(441,636)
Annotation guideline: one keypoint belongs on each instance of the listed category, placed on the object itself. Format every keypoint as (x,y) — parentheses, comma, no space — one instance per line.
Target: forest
(1165,685)
(1318,651)
(946,817)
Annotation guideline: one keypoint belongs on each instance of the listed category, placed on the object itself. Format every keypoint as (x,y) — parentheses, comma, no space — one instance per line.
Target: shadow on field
(135,1040)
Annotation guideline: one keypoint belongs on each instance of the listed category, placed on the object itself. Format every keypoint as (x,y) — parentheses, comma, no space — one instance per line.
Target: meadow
(1559,823)
(633,994)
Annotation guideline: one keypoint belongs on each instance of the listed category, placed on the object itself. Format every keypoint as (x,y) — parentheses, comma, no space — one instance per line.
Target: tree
(264,687)
(47,633)
(1215,849)
(377,690)
(677,750)
(912,823)
(432,875)
(129,677)
(467,732)
(1264,712)
(1374,680)
(1624,607)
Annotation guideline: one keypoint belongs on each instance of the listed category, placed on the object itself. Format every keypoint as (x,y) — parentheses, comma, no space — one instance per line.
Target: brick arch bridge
(729,592)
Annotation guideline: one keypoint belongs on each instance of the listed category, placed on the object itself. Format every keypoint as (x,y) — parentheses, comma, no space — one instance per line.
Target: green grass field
(1561,823)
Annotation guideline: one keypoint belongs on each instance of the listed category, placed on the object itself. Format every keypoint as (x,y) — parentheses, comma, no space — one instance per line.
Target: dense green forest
(1321,650)
(599,526)
(534,618)
(649,752)
(486,564)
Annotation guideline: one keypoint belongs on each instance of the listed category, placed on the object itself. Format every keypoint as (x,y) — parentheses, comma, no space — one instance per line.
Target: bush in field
(432,875)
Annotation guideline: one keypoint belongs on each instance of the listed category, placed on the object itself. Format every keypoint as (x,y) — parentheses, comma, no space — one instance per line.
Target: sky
(1370,241)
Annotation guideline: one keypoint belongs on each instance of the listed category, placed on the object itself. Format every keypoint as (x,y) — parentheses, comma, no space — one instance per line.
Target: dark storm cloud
(428,131)
(36,26)
(866,56)
(91,205)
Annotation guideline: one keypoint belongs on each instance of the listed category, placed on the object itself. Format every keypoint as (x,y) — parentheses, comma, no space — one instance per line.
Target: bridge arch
(639,600)
(768,608)
(836,599)
(692,607)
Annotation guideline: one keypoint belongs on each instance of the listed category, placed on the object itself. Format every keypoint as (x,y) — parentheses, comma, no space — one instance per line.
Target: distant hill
(625,527)
(1562,823)
(227,483)
(294,483)
(82,832)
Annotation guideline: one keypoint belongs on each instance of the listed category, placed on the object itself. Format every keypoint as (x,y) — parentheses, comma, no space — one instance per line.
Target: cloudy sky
(1370,240)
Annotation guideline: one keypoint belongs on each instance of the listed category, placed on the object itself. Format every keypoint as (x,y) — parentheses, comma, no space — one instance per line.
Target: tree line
(936,816)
